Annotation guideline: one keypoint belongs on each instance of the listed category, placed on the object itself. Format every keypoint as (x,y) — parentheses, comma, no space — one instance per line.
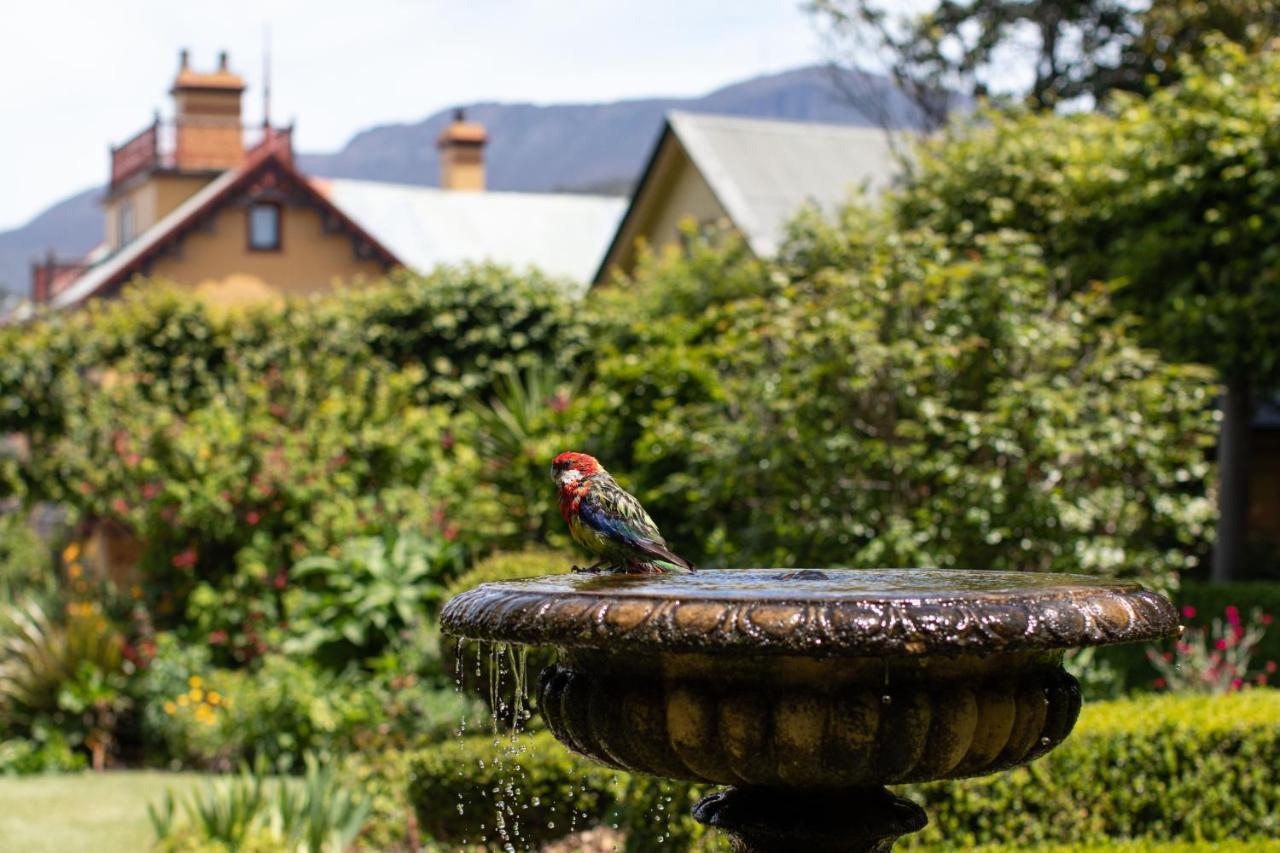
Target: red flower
(252,517)
(184,559)
(1266,618)
(120,507)
(1270,666)
(1222,644)
(1159,683)
(1189,612)
(217,638)
(280,579)
(1233,615)
(1236,684)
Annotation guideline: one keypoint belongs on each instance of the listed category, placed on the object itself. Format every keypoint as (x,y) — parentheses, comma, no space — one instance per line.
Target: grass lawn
(102,812)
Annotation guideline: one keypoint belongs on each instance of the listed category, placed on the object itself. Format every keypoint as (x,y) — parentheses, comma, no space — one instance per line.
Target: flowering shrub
(1217,658)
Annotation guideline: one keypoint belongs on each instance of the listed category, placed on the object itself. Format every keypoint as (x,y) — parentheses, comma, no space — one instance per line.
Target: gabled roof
(561,234)
(763,171)
(133,258)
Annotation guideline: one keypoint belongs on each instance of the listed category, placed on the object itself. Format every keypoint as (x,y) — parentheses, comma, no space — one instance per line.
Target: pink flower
(1159,683)
(184,559)
(1270,666)
(1233,615)
(1222,644)
(252,517)
(1266,618)
(120,507)
(1236,684)
(217,638)
(1189,612)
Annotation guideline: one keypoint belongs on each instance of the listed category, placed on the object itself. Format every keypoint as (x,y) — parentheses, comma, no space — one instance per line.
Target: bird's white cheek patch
(570,477)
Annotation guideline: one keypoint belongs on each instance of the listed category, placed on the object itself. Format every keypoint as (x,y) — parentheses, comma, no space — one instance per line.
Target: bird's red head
(569,468)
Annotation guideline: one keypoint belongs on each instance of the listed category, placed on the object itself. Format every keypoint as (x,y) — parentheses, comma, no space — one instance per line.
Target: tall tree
(1175,197)
(975,47)
(1040,52)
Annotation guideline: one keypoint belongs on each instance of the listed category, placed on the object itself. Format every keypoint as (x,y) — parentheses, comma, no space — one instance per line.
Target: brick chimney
(462,154)
(207,114)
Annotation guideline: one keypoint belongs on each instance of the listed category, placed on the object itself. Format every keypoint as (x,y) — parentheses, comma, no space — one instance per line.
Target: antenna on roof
(266,75)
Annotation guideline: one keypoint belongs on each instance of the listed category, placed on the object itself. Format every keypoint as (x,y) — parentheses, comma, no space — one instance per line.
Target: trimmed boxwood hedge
(1169,767)
(1156,769)
(487,789)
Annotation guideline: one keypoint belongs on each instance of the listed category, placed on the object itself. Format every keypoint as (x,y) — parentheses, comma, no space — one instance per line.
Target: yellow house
(751,174)
(220,208)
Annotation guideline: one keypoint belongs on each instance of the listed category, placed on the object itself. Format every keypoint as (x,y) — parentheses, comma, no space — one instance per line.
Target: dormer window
(264,227)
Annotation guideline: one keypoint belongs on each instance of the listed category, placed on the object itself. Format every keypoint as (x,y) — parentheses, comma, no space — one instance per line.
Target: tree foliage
(1065,49)
(881,399)
(1178,196)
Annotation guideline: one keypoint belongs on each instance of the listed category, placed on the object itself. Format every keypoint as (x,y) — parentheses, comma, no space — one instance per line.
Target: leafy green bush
(282,708)
(530,562)
(357,603)
(62,673)
(1174,768)
(26,565)
(878,398)
(522,791)
(22,757)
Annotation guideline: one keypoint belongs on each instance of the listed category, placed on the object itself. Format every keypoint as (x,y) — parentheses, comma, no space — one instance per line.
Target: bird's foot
(589,569)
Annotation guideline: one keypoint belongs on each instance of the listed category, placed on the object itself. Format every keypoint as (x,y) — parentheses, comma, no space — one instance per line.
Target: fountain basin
(811,687)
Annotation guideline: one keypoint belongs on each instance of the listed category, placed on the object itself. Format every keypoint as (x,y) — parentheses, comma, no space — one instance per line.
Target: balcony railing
(160,145)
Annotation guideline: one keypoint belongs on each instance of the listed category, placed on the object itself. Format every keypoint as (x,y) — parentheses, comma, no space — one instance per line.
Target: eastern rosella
(608,522)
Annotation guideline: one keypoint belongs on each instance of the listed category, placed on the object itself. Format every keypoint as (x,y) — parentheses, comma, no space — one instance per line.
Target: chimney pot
(461,148)
(222,60)
(184,59)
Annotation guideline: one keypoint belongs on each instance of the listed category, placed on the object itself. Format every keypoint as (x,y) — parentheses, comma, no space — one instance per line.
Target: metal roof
(561,234)
(764,171)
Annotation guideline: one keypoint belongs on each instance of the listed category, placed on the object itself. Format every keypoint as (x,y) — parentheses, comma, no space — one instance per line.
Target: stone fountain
(805,692)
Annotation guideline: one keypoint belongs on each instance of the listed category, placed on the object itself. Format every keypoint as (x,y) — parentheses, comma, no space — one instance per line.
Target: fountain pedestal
(807,692)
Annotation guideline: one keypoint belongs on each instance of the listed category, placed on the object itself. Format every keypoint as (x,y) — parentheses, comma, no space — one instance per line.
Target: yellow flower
(74,570)
(195,681)
(135,591)
(214,697)
(71,552)
(196,695)
(170,708)
(183,700)
(203,452)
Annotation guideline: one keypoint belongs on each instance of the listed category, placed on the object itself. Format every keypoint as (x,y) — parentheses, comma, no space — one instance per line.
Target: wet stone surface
(827,612)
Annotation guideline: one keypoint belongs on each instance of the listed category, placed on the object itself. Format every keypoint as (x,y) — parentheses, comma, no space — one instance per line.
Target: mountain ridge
(573,147)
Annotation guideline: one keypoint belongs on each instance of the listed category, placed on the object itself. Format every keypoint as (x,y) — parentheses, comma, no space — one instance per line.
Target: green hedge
(1158,770)
(494,790)
(1177,768)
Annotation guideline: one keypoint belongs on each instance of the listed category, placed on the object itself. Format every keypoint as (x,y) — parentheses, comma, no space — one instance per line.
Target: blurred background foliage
(229,533)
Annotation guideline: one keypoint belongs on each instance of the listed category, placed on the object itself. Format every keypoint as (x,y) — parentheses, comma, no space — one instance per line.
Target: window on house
(264,227)
(124,223)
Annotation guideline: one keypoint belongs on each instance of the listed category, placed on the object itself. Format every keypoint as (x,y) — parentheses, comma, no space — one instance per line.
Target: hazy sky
(75,76)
